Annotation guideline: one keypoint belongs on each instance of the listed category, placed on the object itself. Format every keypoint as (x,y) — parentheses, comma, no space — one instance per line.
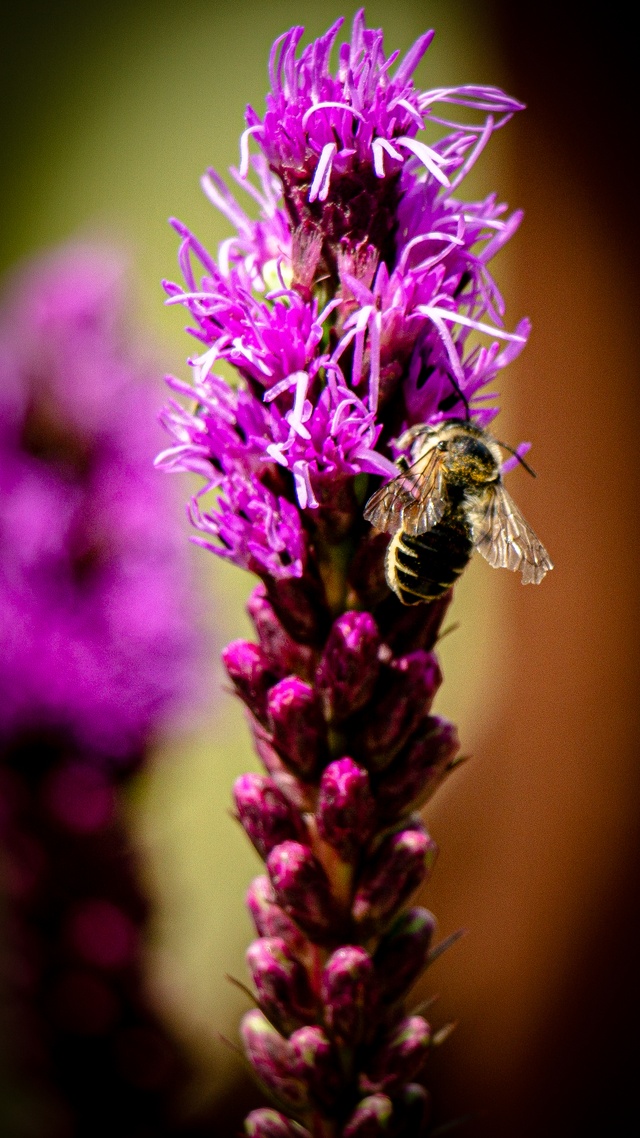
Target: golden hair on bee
(447,501)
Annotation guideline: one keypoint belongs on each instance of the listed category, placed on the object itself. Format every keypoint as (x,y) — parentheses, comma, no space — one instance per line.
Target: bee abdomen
(423,568)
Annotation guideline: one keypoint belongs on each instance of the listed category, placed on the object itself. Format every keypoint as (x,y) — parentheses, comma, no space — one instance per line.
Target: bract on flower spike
(363,324)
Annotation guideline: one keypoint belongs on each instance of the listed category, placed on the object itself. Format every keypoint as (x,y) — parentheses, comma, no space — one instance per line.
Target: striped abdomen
(422,568)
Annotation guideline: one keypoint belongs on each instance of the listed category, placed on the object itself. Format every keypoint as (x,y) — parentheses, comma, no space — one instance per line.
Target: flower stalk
(357,306)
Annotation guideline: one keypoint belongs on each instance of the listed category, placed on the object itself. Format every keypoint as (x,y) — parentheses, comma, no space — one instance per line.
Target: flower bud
(398,866)
(372,1118)
(403,953)
(250,672)
(418,771)
(281,984)
(316,1064)
(407,628)
(297,725)
(267,816)
(302,889)
(406,696)
(284,654)
(266,1123)
(411,1111)
(272,1059)
(349,666)
(347,994)
(300,606)
(346,808)
(400,1057)
(270,920)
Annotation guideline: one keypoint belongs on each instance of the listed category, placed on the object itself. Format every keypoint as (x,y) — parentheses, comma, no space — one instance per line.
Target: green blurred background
(110,114)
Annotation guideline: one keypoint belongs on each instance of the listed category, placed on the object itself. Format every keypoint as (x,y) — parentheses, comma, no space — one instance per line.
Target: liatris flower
(357,306)
(98,653)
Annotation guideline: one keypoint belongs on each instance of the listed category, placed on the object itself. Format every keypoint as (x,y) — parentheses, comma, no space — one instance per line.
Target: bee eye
(443,446)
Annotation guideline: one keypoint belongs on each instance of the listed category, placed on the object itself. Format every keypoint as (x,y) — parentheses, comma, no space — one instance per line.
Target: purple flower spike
(317,1065)
(347,990)
(250,672)
(270,920)
(398,866)
(403,952)
(302,889)
(401,1057)
(372,1118)
(265,1123)
(356,309)
(346,808)
(273,1060)
(281,983)
(349,667)
(297,725)
(266,815)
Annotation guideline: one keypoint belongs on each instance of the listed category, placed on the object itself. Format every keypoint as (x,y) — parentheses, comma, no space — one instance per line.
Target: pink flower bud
(270,920)
(347,990)
(419,769)
(346,808)
(406,697)
(267,816)
(316,1063)
(372,1118)
(411,1110)
(272,1058)
(297,725)
(266,1123)
(407,628)
(302,889)
(284,654)
(401,1056)
(281,984)
(300,606)
(250,672)
(398,866)
(349,666)
(402,953)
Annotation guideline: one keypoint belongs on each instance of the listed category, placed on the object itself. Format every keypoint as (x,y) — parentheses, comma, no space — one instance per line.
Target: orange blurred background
(110,114)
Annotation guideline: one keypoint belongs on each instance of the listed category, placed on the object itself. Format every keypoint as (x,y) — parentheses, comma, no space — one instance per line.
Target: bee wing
(507,541)
(414,500)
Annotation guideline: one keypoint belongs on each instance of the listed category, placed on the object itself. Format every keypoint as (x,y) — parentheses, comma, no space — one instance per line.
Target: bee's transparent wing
(507,540)
(414,500)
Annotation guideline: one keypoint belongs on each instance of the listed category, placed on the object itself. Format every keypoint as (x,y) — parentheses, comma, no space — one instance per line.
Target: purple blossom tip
(346,809)
(349,666)
(250,672)
(273,1060)
(394,870)
(400,1057)
(403,953)
(281,984)
(302,889)
(265,813)
(372,1118)
(266,1123)
(297,725)
(270,919)
(348,991)
(317,1064)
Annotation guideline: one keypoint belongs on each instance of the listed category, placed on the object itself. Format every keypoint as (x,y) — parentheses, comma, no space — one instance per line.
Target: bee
(446,502)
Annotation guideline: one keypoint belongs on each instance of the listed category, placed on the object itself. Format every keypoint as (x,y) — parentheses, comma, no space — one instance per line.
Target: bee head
(468,459)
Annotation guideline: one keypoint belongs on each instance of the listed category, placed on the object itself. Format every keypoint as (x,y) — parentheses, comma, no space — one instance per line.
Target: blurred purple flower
(96,632)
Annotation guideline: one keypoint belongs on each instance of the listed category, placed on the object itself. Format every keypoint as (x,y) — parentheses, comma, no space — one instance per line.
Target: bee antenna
(519,457)
(461,396)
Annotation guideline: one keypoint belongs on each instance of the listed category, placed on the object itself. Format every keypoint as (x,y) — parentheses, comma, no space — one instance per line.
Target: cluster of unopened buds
(352,311)
(337,952)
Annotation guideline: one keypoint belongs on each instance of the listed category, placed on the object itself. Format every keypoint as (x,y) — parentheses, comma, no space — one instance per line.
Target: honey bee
(446,502)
